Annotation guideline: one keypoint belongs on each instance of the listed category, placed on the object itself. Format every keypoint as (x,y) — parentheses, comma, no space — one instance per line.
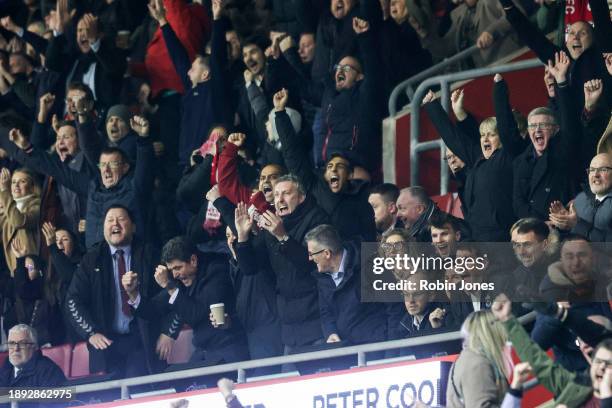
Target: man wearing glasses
(26,366)
(114,181)
(543,172)
(590,215)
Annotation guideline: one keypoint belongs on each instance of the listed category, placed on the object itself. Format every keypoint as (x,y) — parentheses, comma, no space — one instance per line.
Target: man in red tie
(97,303)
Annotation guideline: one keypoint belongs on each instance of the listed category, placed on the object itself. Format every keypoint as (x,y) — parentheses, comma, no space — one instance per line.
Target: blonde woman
(479,377)
(488,155)
(19,213)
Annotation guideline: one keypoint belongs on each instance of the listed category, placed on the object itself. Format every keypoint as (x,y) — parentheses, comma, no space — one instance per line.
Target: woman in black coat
(488,166)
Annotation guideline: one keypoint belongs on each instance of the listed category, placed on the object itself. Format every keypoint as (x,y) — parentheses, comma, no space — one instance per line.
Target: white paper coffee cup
(218,311)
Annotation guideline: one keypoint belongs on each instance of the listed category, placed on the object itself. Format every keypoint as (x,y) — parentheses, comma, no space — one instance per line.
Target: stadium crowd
(161,157)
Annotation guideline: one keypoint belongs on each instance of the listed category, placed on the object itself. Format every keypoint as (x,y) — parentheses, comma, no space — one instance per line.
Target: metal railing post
(125,391)
(241,377)
(361,359)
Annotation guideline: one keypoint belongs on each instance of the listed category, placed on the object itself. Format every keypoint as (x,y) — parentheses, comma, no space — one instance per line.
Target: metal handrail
(242,366)
(407,84)
(444,81)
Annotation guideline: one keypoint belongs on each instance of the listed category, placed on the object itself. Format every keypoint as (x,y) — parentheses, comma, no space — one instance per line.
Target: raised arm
(506,124)
(144,173)
(229,182)
(220,80)
(178,54)
(528,33)
(458,142)
(603,25)
(296,158)
(41,162)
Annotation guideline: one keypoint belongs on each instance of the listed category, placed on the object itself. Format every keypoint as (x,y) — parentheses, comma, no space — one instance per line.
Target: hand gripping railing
(242,366)
(444,81)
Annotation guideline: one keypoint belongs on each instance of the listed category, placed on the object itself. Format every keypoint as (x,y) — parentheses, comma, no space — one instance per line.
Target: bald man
(591,213)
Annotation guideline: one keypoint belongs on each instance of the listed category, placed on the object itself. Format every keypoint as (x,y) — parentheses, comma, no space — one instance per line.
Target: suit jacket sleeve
(90,142)
(328,320)
(77,304)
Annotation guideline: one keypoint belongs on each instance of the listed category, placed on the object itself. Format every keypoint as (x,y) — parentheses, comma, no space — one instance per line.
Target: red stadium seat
(61,355)
(456,206)
(80,361)
(444,202)
(183,348)
(3,357)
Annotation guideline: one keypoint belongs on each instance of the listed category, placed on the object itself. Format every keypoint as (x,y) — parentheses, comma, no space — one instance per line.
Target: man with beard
(590,215)
(97,304)
(118,131)
(382,198)
(269,74)
(95,60)
(284,232)
(345,200)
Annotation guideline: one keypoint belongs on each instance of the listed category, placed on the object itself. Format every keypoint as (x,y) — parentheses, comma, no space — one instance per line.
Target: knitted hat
(121,111)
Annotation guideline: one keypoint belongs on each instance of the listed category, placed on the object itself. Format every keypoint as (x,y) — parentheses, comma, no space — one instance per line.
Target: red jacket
(228,180)
(192,27)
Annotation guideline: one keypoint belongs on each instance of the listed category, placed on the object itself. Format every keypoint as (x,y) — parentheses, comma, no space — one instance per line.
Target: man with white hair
(25,365)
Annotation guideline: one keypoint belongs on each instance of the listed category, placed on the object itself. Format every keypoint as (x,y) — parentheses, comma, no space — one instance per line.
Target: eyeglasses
(542,125)
(522,245)
(21,344)
(111,164)
(602,170)
(606,363)
(311,254)
(388,246)
(345,68)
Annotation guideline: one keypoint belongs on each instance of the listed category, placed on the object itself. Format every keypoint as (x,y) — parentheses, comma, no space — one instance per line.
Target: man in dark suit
(97,304)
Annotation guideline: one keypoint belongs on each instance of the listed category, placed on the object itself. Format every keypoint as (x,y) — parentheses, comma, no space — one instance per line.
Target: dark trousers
(264,342)
(228,354)
(124,358)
